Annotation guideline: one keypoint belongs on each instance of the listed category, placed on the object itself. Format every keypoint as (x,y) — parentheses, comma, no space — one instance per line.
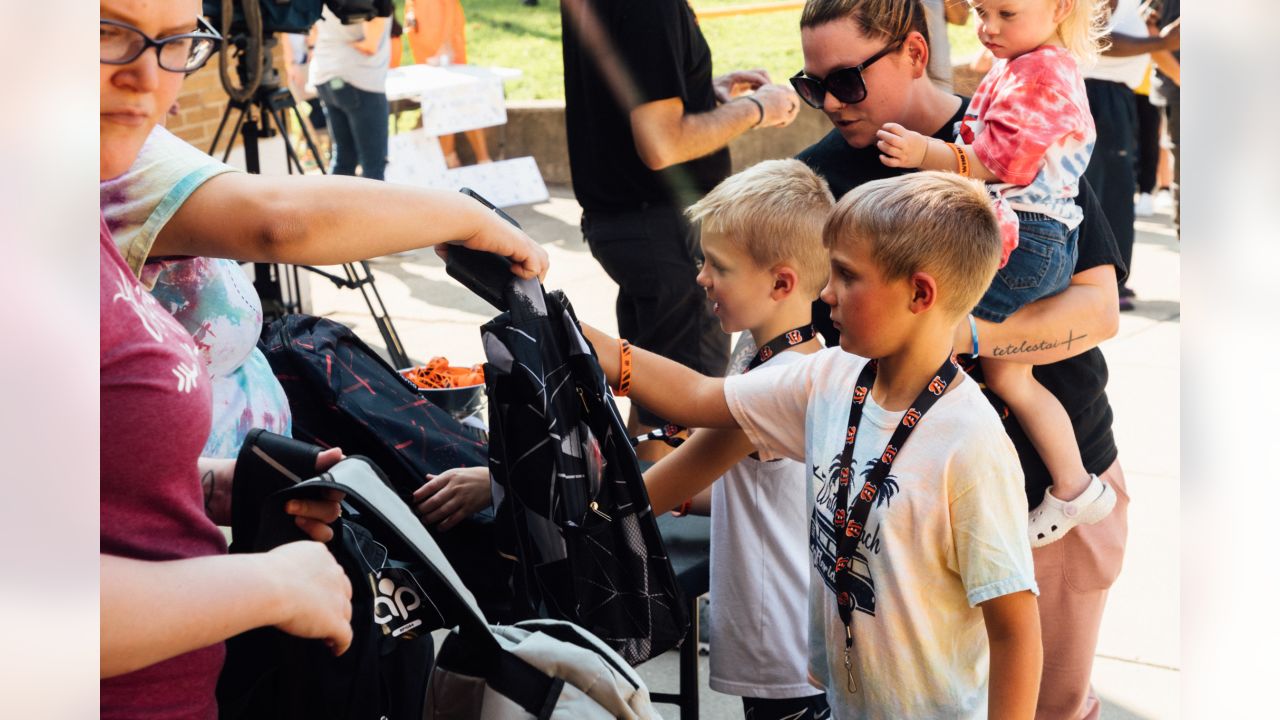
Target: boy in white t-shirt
(926,556)
(761,234)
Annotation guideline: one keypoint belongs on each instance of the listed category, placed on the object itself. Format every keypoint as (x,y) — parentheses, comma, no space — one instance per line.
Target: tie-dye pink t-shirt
(1029,124)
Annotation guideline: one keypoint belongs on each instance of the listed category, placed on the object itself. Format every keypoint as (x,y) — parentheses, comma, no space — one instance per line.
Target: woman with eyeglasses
(169,593)
(865,65)
(182,220)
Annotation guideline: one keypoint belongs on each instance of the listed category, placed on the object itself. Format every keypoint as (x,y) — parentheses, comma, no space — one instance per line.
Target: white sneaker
(1146,205)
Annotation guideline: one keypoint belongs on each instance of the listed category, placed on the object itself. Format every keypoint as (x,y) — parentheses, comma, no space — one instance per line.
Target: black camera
(297,16)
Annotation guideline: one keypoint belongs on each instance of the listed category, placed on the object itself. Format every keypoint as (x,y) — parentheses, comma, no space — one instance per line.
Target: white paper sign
(453,98)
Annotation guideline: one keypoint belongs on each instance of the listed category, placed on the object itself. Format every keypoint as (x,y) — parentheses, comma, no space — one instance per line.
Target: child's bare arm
(1013,631)
(665,387)
(705,456)
(903,148)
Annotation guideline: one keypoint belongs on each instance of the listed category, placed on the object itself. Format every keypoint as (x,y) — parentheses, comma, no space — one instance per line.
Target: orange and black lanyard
(785,341)
(852,519)
(789,339)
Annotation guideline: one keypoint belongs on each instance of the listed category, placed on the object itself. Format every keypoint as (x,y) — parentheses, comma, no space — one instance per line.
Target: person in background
(942,13)
(349,66)
(1112,170)
(436,31)
(1166,92)
(297,62)
(1150,126)
(648,129)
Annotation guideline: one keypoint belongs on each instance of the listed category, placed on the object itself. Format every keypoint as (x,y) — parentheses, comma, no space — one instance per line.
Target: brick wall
(202,101)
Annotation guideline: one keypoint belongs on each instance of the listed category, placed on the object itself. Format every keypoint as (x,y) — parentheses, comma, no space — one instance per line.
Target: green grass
(509,34)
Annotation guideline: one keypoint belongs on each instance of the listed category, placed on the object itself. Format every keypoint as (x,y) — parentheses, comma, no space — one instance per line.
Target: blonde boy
(761,233)
(938,580)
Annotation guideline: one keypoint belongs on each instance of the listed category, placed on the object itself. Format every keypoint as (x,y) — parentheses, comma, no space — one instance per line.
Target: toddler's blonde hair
(1084,29)
(773,211)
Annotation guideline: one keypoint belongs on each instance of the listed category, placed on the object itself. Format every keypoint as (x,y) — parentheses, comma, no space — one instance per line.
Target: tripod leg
(291,156)
(364,280)
(222,124)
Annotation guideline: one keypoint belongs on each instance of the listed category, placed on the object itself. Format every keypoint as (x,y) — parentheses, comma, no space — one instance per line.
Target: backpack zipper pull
(595,508)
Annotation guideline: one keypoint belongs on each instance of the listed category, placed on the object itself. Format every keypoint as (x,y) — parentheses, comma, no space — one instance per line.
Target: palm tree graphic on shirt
(864,591)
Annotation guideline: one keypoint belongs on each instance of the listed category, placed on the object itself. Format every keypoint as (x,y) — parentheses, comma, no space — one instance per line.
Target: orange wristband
(624,368)
(684,508)
(962,159)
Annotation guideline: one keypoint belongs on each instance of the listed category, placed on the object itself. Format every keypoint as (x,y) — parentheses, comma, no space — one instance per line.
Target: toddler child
(927,548)
(761,235)
(1029,133)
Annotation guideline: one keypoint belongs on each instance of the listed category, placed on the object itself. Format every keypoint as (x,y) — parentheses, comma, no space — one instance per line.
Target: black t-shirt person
(1078,382)
(648,50)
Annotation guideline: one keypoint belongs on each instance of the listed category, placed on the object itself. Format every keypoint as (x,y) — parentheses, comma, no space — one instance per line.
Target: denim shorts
(1041,265)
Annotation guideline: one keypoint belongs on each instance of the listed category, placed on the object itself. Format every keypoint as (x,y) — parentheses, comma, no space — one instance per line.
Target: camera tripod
(279,285)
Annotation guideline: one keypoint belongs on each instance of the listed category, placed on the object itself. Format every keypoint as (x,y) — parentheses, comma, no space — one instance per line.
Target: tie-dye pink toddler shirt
(1029,124)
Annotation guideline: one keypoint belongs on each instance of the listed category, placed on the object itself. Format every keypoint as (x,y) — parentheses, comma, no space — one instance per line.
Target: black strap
(788,339)
(853,518)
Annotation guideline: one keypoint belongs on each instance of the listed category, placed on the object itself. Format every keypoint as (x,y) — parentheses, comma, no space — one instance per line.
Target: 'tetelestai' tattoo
(1028,347)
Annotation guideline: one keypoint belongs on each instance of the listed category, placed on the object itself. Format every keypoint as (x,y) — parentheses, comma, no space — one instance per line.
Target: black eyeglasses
(845,84)
(122,44)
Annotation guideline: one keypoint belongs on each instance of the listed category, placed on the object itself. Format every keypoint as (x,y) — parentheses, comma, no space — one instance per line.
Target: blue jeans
(1040,266)
(357,121)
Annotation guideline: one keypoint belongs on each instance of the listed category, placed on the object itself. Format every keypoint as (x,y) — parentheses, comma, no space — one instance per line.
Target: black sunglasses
(122,43)
(845,84)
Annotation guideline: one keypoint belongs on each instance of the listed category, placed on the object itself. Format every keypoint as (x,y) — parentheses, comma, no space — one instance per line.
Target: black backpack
(269,673)
(342,394)
(403,588)
(572,505)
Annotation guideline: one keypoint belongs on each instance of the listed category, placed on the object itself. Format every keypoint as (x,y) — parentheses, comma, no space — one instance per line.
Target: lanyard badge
(850,517)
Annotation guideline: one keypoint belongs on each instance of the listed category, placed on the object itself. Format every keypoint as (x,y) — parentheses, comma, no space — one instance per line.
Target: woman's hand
(315,515)
(446,499)
(313,591)
(495,235)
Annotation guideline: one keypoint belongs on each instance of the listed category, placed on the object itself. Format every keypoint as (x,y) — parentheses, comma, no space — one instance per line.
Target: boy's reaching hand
(452,496)
(900,147)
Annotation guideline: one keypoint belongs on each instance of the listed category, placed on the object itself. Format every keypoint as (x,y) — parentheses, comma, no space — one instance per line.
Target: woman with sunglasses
(865,64)
(169,593)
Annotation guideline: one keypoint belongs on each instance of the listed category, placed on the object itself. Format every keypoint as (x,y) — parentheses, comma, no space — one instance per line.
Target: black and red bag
(342,394)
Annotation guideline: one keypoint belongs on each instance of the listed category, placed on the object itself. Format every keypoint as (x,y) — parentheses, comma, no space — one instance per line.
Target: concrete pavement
(1137,668)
